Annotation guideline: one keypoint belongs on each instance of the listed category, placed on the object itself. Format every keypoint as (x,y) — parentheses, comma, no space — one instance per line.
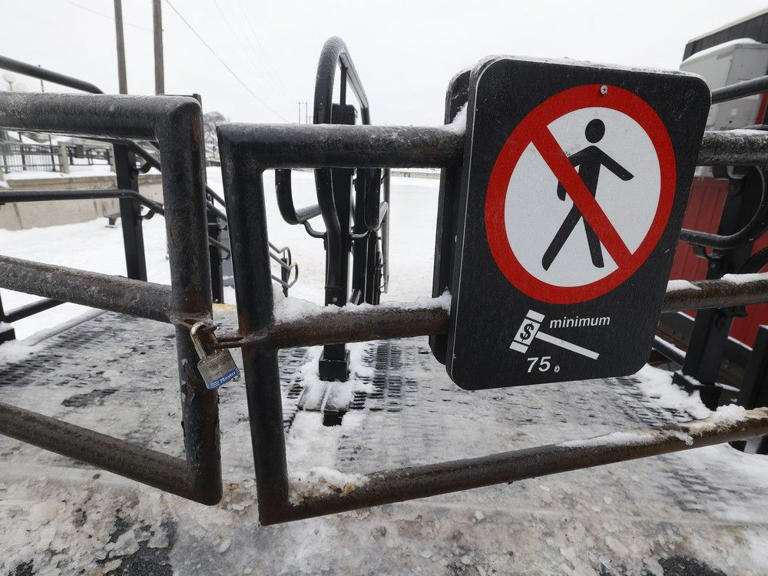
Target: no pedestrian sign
(575,182)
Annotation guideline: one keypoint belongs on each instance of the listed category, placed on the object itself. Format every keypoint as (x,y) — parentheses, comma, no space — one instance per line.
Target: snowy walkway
(700,512)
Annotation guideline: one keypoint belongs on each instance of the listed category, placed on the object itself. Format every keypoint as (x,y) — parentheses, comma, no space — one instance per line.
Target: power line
(257,74)
(107,16)
(223,63)
(267,60)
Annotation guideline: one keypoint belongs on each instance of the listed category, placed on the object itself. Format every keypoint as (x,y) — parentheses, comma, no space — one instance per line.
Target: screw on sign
(574,192)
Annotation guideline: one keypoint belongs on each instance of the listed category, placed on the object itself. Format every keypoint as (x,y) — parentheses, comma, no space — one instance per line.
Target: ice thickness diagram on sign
(575,183)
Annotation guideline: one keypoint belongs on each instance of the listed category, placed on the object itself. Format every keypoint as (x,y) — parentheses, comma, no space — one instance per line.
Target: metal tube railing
(49,75)
(125,295)
(740,90)
(253,149)
(144,465)
(174,122)
(340,146)
(329,326)
(28,310)
(433,479)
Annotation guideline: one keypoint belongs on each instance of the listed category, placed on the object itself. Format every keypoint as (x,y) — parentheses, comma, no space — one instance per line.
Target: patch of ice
(657,385)
(612,439)
(322,481)
(289,309)
(744,278)
(459,122)
(677,285)
(729,413)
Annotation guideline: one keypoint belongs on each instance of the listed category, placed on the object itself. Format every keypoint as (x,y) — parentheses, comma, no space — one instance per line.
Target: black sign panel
(575,181)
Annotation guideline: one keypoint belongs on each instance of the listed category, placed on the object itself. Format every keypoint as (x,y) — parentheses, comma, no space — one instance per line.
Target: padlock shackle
(195,337)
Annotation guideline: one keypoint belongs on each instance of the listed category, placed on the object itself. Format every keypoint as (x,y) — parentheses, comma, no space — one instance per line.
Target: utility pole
(306,112)
(157,22)
(122,77)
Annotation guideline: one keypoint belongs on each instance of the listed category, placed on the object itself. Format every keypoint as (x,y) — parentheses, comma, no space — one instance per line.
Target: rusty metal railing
(249,150)
(174,122)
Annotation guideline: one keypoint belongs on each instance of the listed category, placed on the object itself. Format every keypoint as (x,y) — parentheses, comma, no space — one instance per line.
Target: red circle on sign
(535,123)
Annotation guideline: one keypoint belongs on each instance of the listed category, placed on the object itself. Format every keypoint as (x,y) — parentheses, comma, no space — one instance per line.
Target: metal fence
(247,151)
(26,157)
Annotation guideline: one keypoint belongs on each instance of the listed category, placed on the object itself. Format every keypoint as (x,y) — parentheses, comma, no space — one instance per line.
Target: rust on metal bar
(317,146)
(332,325)
(733,147)
(115,293)
(421,481)
(731,290)
(340,146)
(112,454)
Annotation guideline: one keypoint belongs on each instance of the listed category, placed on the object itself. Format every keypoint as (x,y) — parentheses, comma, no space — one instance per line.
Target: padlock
(217,368)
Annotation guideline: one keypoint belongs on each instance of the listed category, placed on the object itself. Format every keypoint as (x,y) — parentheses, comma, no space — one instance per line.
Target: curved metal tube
(70,82)
(334,54)
(42,74)
(753,229)
(368,185)
(284,191)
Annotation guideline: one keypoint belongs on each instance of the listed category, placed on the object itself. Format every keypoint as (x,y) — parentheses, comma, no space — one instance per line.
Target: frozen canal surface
(698,512)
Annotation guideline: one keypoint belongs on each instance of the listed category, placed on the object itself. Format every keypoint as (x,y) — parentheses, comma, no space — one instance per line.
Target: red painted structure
(707,198)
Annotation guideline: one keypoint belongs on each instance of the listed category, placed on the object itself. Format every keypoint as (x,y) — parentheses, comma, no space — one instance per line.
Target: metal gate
(247,151)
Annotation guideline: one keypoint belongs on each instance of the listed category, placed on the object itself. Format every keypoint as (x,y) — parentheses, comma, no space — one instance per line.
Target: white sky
(406,51)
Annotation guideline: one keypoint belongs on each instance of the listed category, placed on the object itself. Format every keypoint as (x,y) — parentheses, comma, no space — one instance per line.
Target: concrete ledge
(24,215)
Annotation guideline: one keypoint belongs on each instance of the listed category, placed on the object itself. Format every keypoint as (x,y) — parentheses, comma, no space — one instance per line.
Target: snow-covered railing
(247,151)
(315,325)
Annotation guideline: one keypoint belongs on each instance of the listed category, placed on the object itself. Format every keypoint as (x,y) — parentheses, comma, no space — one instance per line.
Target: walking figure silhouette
(589,160)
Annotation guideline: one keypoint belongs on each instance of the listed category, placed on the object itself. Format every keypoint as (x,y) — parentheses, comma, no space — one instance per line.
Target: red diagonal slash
(593,214)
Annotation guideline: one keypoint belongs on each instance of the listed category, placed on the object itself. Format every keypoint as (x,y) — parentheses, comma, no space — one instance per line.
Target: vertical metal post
(447,211)
(63,158)
(366,275)
(7,333)
(250,258)
(285,273)
(754,388)
(181,140)
(130,214)
(711,328)
(214,228)
(3,140)
(122,77)
(217,273)
(334,362)
(385,233)
(157,24)
(21,151)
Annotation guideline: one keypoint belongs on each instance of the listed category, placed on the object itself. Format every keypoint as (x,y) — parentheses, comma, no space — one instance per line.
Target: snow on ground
(696,512)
